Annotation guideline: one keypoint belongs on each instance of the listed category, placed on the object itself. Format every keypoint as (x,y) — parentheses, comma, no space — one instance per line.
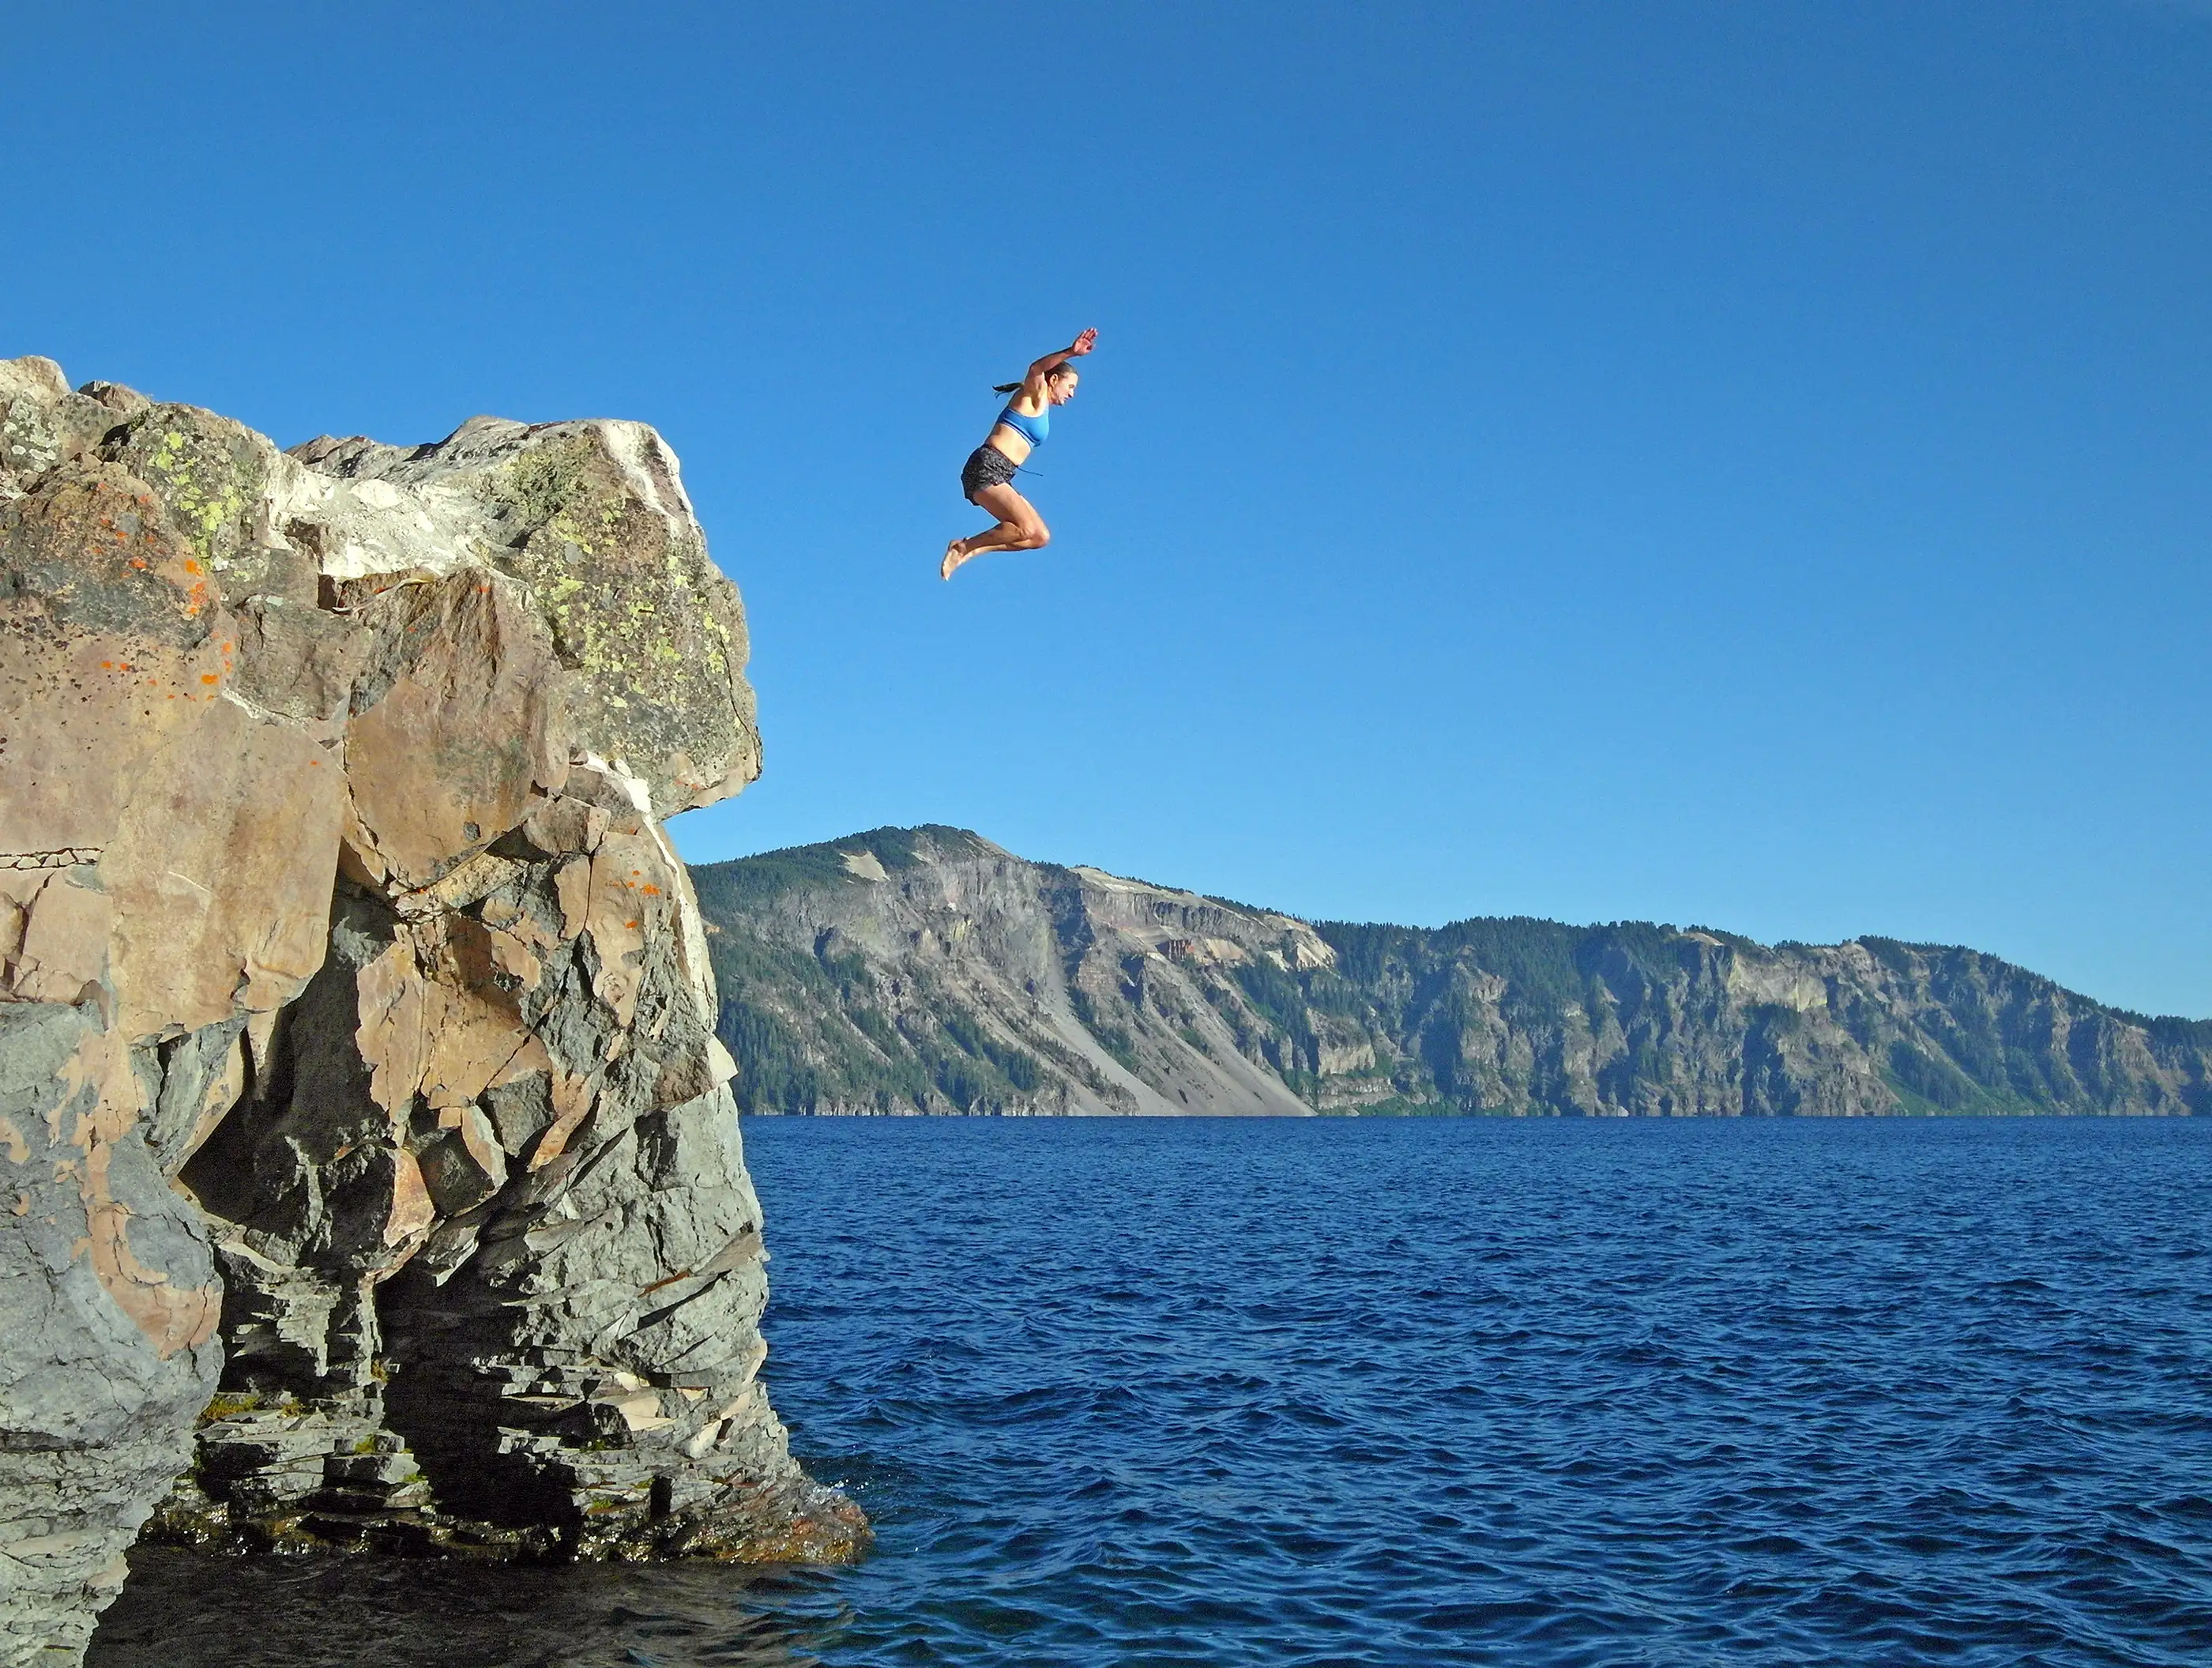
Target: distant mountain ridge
(926,970)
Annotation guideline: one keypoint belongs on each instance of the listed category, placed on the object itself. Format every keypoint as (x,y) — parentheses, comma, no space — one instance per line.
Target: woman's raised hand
(1083,344)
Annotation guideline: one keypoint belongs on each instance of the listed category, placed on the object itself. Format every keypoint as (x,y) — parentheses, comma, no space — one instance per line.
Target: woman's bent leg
(1019,528)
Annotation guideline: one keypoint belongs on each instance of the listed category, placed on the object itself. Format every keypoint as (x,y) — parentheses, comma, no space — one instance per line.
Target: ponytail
(1061,370)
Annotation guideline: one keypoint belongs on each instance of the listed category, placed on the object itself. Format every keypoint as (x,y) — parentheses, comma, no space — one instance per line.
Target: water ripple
(1415,1393)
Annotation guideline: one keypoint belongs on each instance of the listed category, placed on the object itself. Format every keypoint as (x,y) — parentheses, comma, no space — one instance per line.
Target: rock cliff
(926,970)
(371,1171)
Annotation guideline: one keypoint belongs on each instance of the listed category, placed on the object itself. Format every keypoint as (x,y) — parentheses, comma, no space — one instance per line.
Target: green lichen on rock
(28,441)
(43,424)
(632,603)
(547,486)
(211,475)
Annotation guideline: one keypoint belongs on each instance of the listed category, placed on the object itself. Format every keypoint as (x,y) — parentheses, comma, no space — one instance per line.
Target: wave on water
(1412,1392)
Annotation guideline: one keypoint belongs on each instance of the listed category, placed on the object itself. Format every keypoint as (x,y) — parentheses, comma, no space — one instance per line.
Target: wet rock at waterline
(370,1171)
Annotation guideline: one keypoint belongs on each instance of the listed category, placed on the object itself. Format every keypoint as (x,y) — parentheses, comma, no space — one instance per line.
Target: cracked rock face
(371,1172)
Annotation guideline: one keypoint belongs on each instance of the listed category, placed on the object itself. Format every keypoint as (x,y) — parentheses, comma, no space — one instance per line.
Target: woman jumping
(1020,429)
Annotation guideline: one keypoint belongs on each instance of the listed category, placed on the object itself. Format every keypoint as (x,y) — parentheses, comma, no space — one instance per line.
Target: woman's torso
(1011,440)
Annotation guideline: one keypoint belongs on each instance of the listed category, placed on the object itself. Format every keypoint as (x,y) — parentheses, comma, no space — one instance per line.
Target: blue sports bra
(1036,428)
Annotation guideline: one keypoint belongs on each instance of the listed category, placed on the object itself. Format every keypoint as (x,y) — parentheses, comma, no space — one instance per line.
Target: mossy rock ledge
(371,1172)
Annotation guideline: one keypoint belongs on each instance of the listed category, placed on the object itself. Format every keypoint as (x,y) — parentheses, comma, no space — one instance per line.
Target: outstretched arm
(1033,384)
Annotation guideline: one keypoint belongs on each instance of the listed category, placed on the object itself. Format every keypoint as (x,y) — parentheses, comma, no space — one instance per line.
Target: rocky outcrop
(369,1160)
(1633,1018)
(927,970)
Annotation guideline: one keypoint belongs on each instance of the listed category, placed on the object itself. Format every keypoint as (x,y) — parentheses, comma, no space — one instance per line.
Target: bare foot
(954,555)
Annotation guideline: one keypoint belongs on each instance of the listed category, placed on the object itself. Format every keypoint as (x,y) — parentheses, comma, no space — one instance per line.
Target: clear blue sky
(1731,463)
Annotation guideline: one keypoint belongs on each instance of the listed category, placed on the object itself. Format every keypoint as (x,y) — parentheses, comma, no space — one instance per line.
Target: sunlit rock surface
(371,1171)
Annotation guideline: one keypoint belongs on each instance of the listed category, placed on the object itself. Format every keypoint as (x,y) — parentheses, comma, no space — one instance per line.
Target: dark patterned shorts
(987,467)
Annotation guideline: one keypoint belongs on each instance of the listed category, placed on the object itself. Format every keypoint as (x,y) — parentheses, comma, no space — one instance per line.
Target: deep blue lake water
(1416,1392)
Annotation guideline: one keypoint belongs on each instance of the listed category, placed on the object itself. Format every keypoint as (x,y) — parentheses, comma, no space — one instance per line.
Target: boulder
(371,1170)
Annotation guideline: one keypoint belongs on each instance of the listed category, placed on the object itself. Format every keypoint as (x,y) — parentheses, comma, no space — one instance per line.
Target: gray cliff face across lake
(927,970)
(371,1173)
